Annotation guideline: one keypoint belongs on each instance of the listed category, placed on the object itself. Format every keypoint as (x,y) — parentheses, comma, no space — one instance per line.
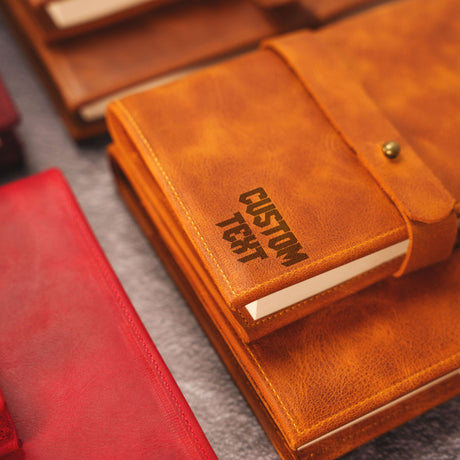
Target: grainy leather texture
(424,203)
(9,441)
(259,127)
(356,356)
(51,33)
(419,99)
(10,147)
(81,376)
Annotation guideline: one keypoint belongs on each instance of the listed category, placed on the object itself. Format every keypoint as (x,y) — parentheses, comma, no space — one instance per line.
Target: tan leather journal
(164,43)
(270,171)
(302,133)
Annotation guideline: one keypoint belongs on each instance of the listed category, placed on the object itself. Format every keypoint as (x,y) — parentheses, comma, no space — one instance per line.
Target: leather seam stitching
(172,188)
(109,282)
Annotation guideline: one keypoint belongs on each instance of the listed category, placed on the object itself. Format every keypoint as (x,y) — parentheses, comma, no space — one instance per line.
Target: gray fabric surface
(226,418)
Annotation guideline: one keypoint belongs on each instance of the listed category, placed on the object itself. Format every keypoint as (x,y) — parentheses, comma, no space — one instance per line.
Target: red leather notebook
(10,148)
(78,370)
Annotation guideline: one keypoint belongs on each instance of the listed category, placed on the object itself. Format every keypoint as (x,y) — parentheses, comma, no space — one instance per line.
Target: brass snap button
(391,149)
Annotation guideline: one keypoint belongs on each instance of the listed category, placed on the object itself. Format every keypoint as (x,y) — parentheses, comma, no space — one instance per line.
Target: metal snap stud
(391,149)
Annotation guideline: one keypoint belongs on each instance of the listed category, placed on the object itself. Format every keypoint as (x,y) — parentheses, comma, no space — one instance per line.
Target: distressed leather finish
(80,374)
(9,441)
(417,92)
(261,153)
(390,352)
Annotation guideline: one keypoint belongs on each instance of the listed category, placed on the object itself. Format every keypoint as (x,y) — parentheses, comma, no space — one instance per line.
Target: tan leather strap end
(426,206)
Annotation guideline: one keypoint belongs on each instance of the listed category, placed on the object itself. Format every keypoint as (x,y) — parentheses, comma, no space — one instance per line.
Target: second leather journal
(170,38)
(294,161)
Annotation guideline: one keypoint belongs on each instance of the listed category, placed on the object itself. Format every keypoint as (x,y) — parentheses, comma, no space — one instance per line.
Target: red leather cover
(80,373)
(10,148)
(9,441)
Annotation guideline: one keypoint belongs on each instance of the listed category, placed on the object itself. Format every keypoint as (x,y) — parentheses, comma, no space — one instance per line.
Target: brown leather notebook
(344,373)
(276,184)
(86,72)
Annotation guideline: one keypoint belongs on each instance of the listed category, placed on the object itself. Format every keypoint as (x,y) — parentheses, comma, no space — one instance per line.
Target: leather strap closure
(426,206)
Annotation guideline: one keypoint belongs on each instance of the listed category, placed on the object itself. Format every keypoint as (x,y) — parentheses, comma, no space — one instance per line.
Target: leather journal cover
(9,441)
(277,177)
(79,372)
(86,72)
(10,147)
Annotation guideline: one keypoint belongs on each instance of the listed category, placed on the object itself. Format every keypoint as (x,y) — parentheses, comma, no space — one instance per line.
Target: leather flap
(423,201)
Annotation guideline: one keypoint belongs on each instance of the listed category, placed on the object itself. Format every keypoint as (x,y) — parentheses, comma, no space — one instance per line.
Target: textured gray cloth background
(227,420)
